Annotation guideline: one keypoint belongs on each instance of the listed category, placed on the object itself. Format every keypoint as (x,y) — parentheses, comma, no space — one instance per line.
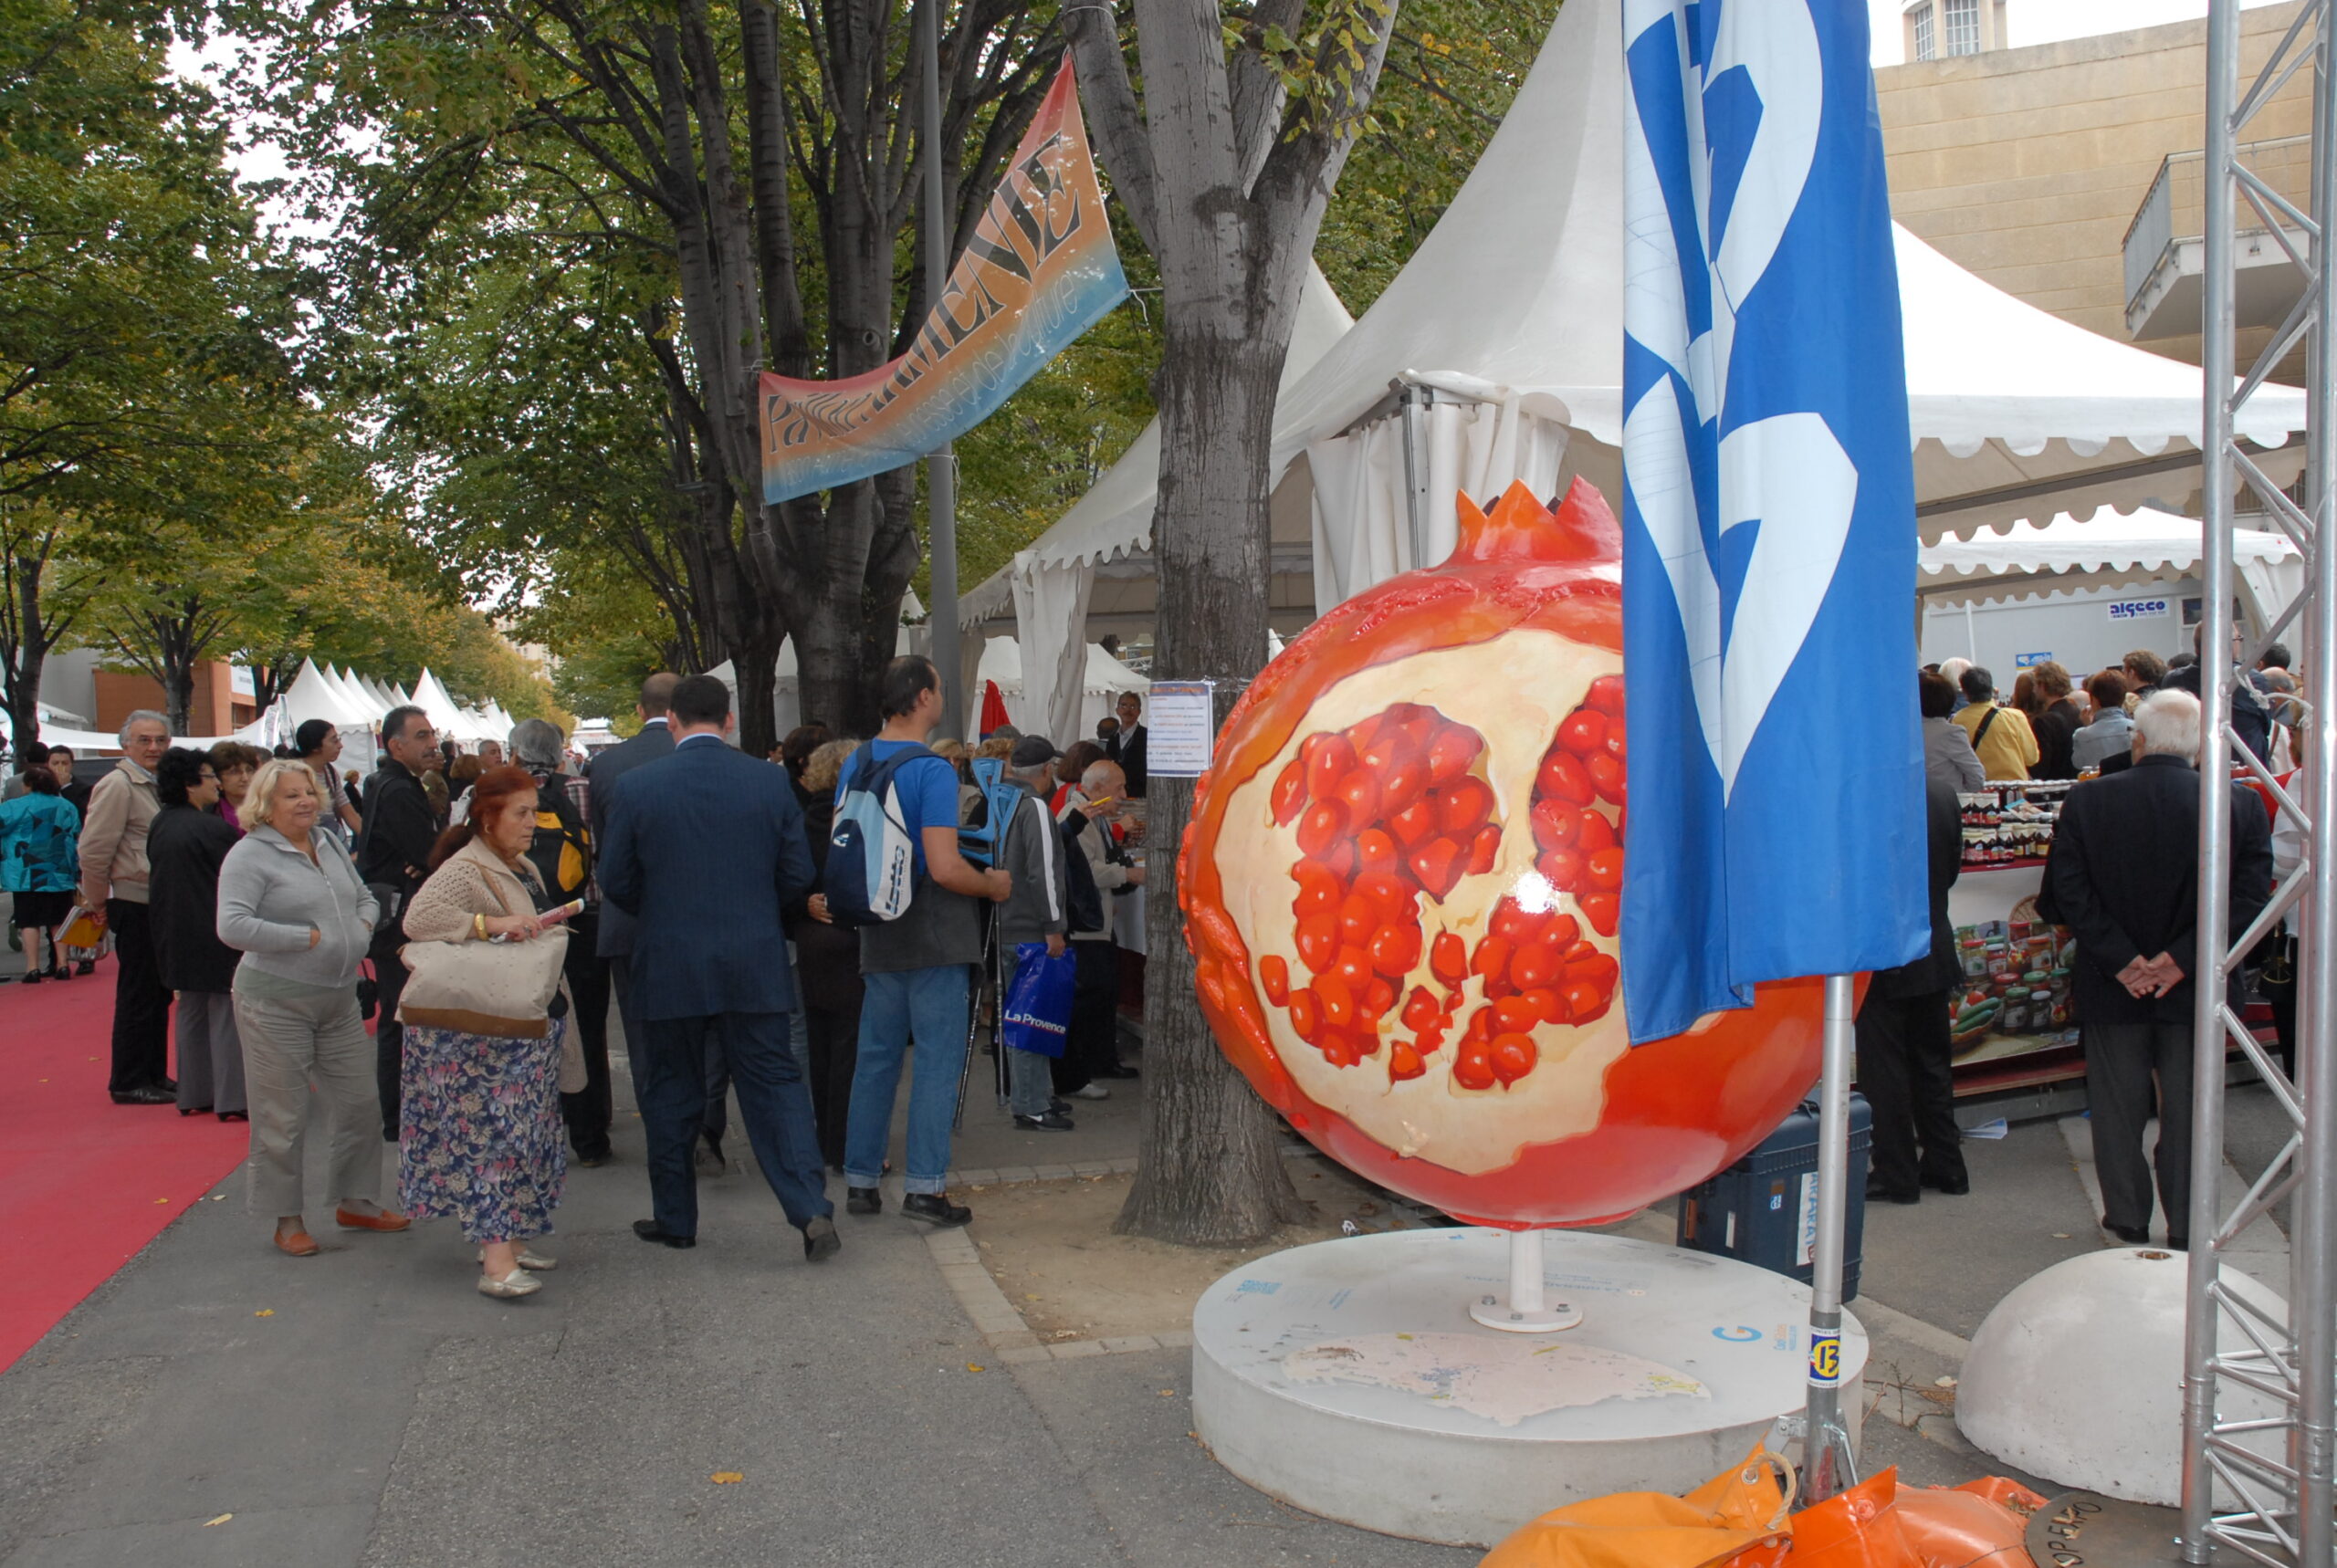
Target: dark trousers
(636,1046)
(773,1102)
(2281,957)
(141,1003)
(389,1039)
(1905,1068)
(2121,1059)
(836,1056)
(588,1112)
(1092,1046)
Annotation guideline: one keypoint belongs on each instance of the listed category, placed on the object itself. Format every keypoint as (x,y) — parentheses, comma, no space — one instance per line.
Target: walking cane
(974,1013)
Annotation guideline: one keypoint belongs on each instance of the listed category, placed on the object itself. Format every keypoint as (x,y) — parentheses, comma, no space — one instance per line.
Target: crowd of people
(2123,877)
(485,913)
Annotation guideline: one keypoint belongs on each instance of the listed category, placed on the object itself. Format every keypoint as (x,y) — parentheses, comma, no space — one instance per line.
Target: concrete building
(2068,173)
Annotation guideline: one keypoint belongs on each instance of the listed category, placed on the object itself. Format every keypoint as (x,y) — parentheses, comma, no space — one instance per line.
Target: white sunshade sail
(1509,317)
(2016,413)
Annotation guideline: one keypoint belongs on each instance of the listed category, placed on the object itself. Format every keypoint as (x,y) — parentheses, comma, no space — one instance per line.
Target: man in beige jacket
(113,880)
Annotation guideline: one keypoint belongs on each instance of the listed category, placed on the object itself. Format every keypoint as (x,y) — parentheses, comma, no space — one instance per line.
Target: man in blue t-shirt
(917,967)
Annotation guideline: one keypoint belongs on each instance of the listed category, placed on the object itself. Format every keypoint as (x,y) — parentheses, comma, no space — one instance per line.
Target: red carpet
(84,1183)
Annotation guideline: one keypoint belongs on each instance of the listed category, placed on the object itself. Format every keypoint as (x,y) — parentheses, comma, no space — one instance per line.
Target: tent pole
(1408,403)
(1827,1467)
(941,464)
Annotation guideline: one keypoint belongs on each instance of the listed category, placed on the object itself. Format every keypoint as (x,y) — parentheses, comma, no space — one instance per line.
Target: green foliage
(1452,69)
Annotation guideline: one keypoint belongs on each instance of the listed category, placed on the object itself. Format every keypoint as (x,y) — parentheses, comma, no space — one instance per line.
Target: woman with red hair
(480,1140)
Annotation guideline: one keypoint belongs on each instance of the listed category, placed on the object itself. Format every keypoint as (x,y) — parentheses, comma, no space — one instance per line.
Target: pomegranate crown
(1521,527)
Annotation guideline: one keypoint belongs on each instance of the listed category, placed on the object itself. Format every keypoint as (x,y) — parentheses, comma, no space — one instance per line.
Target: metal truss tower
(2257,1487)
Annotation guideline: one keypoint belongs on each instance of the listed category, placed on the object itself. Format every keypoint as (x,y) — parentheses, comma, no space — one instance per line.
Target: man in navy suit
(614,946)
(704,849)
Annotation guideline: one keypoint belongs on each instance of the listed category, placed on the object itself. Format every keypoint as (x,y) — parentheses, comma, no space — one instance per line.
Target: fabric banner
(1776,820)
(1040,270)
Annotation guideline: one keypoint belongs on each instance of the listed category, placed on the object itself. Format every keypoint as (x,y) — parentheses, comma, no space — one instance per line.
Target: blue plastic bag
(1037,1014)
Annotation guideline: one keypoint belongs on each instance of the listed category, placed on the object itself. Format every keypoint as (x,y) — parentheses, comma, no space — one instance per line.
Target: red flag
(993,707)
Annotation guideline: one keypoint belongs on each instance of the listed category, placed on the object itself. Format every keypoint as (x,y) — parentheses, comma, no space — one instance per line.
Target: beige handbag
(502,988)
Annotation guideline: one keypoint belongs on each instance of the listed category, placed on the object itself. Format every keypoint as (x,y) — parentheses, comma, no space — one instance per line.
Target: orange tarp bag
(1739,1518)
(1876,1524)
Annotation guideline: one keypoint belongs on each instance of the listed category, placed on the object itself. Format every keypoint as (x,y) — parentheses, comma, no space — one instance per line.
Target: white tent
(2032,560)
(1103,678)
(312,694)
(1502,343)
(1090,567)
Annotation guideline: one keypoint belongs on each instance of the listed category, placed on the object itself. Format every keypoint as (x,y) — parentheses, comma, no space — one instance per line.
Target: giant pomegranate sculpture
(1400,888)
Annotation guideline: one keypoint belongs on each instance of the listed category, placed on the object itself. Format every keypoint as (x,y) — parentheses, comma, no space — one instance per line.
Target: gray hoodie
(1034,855)
(271,897)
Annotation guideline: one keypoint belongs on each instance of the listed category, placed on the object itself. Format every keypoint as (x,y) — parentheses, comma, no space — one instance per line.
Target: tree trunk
(178,694)
(26,661)
(1224,1185)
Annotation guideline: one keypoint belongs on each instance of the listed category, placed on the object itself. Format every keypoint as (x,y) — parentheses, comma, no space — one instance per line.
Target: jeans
(1029,1082)
(925,1007)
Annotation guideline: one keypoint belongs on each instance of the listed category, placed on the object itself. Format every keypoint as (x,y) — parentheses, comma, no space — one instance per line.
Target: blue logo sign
(2139,610)
(1768,514)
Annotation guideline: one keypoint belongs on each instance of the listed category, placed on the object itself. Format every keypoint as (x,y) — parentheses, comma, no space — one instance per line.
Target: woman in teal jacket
(40,865)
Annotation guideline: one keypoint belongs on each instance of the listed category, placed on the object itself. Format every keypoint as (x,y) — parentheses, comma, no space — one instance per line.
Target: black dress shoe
(650,1230)
(145,1094)
(935,1208)
(1959,1187)
(2132,1235)
(1118,1071)
(170,1085)
(821,1241)
(863,1201)
(193,1110)
(2178,1244)
(1877,1192)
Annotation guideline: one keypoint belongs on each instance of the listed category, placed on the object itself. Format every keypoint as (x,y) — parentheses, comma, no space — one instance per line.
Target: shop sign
(2140,610)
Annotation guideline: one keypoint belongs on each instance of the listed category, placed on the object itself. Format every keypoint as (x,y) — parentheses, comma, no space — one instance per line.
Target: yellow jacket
(2009,749)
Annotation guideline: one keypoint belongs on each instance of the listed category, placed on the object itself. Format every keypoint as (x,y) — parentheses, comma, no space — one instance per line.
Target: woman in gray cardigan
(290,899)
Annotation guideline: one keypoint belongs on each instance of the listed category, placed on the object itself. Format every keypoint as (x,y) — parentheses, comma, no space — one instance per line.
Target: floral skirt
(481,1139)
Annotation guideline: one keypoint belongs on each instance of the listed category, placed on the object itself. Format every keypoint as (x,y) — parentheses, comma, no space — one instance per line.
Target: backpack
(872,854)
(561,851)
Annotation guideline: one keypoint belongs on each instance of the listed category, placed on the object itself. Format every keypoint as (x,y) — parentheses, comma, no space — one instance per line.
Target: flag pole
(941,464)
(1827,1467)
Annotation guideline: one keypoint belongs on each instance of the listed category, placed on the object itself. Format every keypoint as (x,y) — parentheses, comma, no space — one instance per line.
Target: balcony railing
(2174,212)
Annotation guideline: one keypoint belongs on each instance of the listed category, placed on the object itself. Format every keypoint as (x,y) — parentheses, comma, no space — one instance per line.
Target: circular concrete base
(1347,1377)
(2077,1376)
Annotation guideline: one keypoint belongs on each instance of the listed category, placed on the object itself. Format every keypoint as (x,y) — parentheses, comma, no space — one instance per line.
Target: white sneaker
(1091,1092)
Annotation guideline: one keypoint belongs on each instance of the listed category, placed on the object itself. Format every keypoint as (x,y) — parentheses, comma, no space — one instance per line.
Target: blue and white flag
(1777,815)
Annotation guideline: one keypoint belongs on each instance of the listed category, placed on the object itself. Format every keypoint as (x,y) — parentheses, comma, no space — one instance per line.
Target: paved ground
(367,1406)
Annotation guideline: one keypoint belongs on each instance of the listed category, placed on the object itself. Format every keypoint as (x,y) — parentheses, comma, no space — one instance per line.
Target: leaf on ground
(973,1366)
(265,1313)
(221,1519)
(726,1478)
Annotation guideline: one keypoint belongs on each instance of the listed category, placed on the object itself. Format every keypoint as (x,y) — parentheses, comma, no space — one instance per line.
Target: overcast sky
(2047,21)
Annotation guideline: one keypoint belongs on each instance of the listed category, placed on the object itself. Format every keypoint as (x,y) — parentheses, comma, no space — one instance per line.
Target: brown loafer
(349,1220)
(296,1244)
